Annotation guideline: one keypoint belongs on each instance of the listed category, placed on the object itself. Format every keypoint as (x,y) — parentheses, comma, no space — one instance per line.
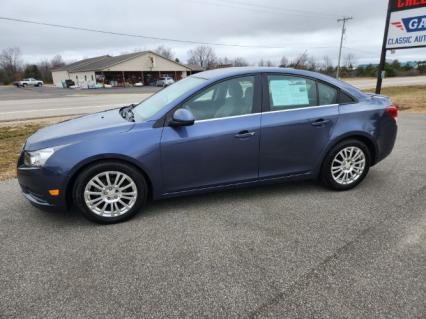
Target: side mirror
(182,117)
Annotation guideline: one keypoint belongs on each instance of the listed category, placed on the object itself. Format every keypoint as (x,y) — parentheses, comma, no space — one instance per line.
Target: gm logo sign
(413,24)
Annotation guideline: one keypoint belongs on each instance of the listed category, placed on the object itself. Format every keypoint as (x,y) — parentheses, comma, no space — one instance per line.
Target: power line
(270,9)
(147,36)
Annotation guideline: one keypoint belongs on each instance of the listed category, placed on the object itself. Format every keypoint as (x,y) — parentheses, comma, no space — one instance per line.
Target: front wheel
(110,192)
(346,165)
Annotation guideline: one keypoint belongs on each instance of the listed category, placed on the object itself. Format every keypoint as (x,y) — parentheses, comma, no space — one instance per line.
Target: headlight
(38,158)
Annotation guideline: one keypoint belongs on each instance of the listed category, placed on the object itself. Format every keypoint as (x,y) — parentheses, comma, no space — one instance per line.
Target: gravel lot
(284,251)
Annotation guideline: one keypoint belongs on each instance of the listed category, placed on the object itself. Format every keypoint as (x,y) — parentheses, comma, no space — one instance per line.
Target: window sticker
(289,92)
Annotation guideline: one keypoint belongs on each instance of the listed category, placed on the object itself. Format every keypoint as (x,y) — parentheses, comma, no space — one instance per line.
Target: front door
(222,146)
(296,126)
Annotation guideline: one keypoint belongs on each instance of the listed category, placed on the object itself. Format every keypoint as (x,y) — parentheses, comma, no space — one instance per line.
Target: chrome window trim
(227,117)
(303,108)
(278,111)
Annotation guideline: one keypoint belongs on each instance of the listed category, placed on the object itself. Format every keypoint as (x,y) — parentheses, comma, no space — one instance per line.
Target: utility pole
(344,20)
(380,73)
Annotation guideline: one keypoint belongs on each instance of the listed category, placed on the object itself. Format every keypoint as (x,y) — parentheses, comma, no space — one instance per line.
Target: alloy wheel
(348,165)
(110,194)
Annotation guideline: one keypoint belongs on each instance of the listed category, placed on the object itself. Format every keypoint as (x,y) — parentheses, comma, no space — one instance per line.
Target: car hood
(75,130)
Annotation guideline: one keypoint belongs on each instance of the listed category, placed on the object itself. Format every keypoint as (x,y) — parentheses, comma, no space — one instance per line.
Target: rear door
(299,116)
(222,147)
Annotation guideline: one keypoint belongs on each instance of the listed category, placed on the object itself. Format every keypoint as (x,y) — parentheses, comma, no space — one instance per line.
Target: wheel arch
(360,136)
(76,171)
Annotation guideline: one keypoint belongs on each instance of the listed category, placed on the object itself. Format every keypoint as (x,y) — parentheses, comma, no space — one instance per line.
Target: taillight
(392,110)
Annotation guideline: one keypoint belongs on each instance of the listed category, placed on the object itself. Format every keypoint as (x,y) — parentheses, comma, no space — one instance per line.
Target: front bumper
(36,183)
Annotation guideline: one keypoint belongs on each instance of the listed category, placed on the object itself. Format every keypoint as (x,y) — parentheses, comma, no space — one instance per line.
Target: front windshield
(155,103)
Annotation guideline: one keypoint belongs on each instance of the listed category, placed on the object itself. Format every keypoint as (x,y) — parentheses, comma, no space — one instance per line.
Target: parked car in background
(69,84)
(213,130)
(165,81)
(29,82)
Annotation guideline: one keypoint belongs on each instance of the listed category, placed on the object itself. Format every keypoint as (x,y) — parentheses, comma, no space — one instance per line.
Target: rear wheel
(110,192)
(346,165)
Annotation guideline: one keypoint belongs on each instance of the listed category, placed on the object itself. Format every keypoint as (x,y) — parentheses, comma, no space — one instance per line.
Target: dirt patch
(12,139)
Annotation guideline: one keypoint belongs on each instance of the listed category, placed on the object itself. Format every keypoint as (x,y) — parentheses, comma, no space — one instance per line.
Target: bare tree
(57,62)
(301,62)
(326,62)
(165,52)
(203,56)
(349,61)
(327,65)
(11,63)
(45,71)
(263,62)
(284,62)
(239,61)
(312,64)
(224,61)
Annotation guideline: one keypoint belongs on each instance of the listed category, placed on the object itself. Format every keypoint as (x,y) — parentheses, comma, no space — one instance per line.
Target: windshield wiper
(127,113)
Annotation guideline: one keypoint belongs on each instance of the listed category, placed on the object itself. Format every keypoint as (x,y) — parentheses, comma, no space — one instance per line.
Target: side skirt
(273,180)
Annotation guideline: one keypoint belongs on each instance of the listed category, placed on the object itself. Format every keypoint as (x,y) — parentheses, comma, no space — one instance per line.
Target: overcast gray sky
(294,26)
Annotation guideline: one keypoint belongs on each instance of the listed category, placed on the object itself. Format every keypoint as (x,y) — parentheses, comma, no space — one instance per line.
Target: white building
(122,70)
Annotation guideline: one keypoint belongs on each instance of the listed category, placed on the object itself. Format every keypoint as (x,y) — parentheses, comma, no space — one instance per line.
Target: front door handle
(320,122)
(245,134)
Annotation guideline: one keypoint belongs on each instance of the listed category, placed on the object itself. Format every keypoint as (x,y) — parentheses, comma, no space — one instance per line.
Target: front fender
(139,147)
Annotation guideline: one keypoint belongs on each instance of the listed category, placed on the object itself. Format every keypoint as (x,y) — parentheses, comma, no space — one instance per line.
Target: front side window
(290,92)
(228,98)
(156,102)
(327,94)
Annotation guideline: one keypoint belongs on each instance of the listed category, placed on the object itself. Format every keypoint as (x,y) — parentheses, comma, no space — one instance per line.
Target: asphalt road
(285,251)
(402,81)
(28,103)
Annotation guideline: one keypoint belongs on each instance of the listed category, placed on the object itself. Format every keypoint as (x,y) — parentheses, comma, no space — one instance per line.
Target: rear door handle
(320,122)
(245,134)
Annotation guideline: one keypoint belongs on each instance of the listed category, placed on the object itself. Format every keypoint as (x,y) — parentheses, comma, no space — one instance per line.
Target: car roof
(218,74)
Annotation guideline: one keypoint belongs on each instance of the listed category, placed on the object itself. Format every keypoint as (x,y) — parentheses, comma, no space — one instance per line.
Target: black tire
(24,85)
(326,175)
(90,172)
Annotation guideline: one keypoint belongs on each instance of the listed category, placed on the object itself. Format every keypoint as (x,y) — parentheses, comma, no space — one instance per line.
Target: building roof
(194,67)
(106,61)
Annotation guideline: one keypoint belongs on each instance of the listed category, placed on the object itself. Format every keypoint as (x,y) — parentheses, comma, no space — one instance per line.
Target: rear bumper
(387,139)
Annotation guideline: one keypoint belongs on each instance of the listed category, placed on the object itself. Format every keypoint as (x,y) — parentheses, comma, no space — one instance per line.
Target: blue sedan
(213,130)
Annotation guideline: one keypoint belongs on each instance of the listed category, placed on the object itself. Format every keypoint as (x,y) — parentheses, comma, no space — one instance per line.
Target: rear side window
(290,92)
(345,99)
(327,94)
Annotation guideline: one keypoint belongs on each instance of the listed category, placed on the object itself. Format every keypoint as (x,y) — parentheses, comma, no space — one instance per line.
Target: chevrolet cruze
(213,130)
